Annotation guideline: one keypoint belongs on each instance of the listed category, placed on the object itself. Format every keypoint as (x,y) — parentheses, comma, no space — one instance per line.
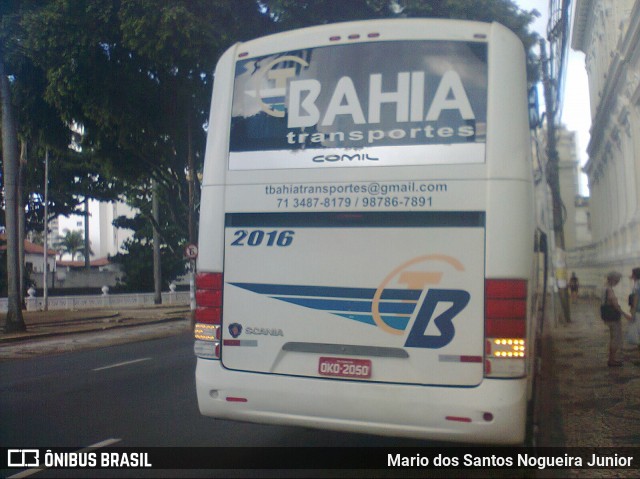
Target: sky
(576,114)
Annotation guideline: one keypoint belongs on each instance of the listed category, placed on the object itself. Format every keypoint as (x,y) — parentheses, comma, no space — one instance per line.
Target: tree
(137,261)
(137,76)
(288,14)
(71,243)
(137,267)
(14,320)
(36,126)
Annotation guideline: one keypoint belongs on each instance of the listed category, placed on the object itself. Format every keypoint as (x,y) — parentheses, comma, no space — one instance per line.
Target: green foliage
(137,267)
(137,74)
(71,243)
(137,261)
(289,14)
(41,127)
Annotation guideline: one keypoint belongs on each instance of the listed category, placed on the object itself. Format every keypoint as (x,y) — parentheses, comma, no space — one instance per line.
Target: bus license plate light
(345,367)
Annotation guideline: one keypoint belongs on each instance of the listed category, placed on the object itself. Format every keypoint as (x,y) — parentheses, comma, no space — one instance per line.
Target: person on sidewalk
(633,331)
(574,284)
(615,327)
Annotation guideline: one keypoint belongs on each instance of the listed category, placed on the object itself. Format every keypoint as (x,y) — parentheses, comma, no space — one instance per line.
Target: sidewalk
(59,331)
(585,403)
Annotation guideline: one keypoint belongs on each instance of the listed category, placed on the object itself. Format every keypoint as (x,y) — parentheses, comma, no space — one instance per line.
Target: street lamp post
(554,184)
(45,287)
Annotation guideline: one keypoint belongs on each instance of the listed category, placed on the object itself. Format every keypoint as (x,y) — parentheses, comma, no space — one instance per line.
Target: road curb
(22,337)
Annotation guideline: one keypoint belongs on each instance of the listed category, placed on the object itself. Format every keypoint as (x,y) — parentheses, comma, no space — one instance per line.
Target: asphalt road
(140,394)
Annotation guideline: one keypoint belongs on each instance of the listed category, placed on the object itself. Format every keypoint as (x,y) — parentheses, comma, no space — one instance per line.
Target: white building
(111,239)
(34,260)
(608,32)
(106,239)
(575,208)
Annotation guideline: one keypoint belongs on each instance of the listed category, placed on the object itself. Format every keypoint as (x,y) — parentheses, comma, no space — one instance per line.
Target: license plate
(344,367)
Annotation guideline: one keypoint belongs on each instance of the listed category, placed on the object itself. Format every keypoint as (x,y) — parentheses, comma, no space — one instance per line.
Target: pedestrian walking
(610,306)
(574,285)
(633,331)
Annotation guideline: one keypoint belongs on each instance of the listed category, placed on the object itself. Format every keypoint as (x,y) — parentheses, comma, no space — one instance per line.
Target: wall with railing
(33,303)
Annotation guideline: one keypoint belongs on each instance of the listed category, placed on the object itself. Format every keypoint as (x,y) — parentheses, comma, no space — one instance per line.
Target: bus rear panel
(366,232)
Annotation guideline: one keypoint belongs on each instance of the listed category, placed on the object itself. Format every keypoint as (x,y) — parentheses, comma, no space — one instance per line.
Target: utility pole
(21,218)
(45,274)
(553,179)
(87,244)
(157,266)
(192,234)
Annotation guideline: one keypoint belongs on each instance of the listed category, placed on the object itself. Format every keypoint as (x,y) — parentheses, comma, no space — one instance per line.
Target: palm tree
(72,242)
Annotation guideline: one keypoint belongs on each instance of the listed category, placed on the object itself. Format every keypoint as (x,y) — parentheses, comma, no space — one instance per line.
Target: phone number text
(359,202)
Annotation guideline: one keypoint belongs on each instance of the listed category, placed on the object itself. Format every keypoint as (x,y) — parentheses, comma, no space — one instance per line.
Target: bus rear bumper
(493,412)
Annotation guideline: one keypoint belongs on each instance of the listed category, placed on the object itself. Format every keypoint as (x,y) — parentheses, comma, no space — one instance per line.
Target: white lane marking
(36,470)
(101,444)
(125,363)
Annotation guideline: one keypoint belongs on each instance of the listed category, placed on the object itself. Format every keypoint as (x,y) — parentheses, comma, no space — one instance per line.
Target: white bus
(367,232)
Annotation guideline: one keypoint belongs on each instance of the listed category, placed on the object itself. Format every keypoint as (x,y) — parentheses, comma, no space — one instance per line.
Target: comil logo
(422,275)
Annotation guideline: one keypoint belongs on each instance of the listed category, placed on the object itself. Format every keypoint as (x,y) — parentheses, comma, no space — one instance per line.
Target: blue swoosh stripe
(396,322)
(396,305)
(349,306)
(329,291)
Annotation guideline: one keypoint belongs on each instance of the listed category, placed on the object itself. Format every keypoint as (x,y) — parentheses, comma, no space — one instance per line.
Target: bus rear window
(369,104)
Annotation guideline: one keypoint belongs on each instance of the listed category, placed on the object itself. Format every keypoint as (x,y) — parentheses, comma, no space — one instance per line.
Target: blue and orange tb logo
(410,287)
(415,277)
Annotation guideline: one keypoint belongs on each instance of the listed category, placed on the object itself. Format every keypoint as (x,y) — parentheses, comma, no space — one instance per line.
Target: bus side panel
(508,138)
(510,231)
(211,239)
(217,151)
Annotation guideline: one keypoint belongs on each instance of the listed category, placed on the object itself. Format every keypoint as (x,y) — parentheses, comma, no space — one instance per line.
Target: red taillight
(506,288)
(208,314)
(505,308)
(505,327)
(208,297)
(209,281)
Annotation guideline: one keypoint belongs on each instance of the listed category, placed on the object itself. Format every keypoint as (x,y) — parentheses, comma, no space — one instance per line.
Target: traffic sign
(191,251)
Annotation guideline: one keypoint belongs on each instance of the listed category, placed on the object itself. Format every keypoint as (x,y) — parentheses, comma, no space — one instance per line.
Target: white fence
(102,301)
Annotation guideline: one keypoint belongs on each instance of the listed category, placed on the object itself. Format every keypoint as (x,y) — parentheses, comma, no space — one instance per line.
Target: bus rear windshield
(367,98)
